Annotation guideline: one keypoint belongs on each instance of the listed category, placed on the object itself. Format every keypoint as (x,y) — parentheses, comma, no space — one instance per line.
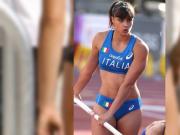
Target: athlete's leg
(98,129)
(130,123)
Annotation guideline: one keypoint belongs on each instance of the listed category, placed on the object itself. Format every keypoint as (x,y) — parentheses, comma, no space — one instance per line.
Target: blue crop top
(114,61)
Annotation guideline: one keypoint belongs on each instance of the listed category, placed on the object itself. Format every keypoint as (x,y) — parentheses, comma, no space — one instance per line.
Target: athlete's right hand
(77,95)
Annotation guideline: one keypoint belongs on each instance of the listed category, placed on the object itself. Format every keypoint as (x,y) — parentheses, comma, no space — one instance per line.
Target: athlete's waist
(112,92)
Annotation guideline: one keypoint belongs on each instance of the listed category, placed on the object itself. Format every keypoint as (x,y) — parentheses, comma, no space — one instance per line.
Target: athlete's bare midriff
(111,82)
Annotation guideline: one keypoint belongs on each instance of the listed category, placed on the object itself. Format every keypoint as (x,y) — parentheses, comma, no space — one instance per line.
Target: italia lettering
(112,63)
(103,61)
(107,61)
(127,66)
(115,64)
(122,65)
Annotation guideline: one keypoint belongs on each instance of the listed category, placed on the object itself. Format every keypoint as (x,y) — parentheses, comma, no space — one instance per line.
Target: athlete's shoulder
(99,38)
(140,44)
(101,35)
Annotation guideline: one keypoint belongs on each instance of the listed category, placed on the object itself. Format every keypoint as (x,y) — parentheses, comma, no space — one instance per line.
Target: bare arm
(135,70)
(89,68)
(171,106)
(67,105)
(50,48)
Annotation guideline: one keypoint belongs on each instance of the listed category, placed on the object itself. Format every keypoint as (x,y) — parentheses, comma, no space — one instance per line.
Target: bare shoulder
(141,46)
(99,39)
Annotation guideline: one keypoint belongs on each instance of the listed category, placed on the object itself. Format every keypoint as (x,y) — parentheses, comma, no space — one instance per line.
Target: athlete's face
(122,26)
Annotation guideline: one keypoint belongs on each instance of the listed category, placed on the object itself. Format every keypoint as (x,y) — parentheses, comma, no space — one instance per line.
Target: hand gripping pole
(91,112)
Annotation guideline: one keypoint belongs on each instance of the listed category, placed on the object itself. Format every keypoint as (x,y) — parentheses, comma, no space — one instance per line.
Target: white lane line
(153,115)
(154,108)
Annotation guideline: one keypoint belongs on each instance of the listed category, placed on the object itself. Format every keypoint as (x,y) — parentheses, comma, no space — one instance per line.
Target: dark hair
(122,10)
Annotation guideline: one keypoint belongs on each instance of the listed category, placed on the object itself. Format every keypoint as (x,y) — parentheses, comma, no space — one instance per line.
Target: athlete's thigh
(98,129)
(130,123)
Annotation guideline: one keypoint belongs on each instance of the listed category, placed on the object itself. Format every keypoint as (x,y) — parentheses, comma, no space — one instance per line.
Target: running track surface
(152,92)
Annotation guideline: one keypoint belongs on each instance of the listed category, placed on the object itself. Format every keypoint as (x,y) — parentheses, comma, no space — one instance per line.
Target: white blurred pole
(91,112)
(17,77)
(169,25)
(172,23)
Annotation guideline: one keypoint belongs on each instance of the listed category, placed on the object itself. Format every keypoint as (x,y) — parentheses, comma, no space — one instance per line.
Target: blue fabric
(127,106)
(114,61)
(144,132)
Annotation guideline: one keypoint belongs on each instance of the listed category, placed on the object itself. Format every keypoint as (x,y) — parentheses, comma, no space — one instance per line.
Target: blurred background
(19,30)
(172,23)
(19,35)
(149,24)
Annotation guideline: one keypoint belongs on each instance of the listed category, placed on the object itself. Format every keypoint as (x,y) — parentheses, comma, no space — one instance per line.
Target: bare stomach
(110,84)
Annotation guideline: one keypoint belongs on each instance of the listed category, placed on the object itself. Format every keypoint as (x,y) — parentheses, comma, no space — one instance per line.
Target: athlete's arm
(67,98)
(49,53)
(138,65)
(172,114)
(89,68)
(50,49)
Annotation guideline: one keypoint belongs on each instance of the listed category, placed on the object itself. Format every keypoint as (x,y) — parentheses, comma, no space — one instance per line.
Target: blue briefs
(125,108)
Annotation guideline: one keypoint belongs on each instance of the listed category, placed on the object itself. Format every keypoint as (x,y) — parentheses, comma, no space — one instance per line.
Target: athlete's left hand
(105,117)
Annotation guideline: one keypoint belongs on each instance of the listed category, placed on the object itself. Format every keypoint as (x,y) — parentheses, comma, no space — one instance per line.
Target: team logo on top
(129,56)
(105,50)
